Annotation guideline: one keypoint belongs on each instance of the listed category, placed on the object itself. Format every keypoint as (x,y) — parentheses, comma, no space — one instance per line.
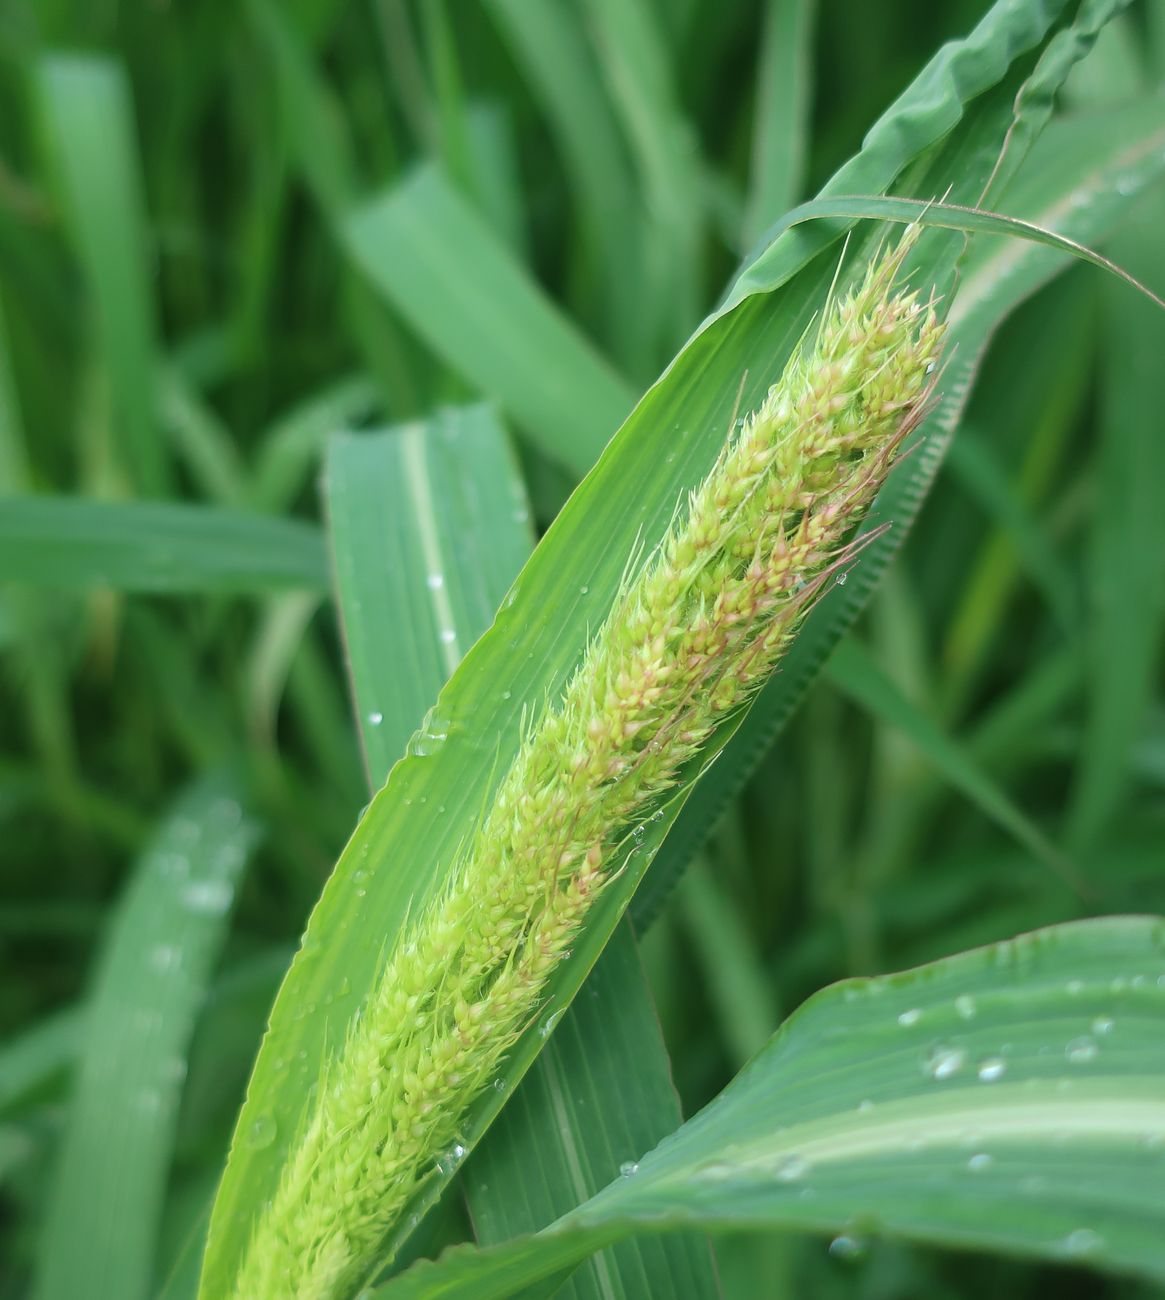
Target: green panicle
(692,635)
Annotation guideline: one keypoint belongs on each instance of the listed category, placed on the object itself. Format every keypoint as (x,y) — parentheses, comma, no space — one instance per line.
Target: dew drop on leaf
(262,1132)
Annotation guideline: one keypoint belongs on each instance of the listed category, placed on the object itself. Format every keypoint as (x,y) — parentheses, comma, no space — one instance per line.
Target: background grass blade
(644,88)
(457,284)
(781,120)
(1126,606)
(410,571)
(88,116)
(1008,1100)
(857,675)
(100,1236)
(550,46)
(147,546)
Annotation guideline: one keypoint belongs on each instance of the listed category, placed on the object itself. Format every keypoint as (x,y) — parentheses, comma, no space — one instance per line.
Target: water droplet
(865,1105)
(452,1158)
(173,866)
(847,1248)
(547,1026)
(980,1161)
(1103,1025)
(965,1006)
(1074,987)
(447,635)
(262,1132)
(375,718)
(790,1168)
(432,735)
(150,1101)
(584,590)
(435,581)
(228,811)
(1083,1241)
(629,1168)
(911,1017)
(1080,1051)
(165,957)
(991,1069)
(211,897)
(944,1062)
(718,1169)
(841,577)
(500,1084)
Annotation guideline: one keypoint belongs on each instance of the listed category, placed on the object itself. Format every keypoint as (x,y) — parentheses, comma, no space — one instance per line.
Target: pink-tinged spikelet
(690,638)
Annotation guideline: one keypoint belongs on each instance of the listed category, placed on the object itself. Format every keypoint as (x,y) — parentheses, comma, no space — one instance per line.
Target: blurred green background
(185,315)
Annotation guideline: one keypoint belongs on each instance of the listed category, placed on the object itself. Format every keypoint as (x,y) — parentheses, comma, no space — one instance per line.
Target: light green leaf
(145,546)
(108,1189)
(1006,1099)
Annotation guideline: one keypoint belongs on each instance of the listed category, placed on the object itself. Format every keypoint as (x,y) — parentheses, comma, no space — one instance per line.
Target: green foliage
(470,241)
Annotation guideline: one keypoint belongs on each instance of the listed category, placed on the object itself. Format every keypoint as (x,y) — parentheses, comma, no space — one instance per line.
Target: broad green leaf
(1006,1099)
(459,287)
(663,449)
(88,117)
(1074,183)
(781,117)
(146,993)
(1126,624)
(429,527)
(856,674)
(145,546)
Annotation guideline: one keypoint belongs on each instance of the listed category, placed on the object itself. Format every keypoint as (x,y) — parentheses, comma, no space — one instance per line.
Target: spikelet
(690,638)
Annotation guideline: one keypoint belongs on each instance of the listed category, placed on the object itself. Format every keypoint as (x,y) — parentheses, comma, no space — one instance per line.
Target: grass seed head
(693,633)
